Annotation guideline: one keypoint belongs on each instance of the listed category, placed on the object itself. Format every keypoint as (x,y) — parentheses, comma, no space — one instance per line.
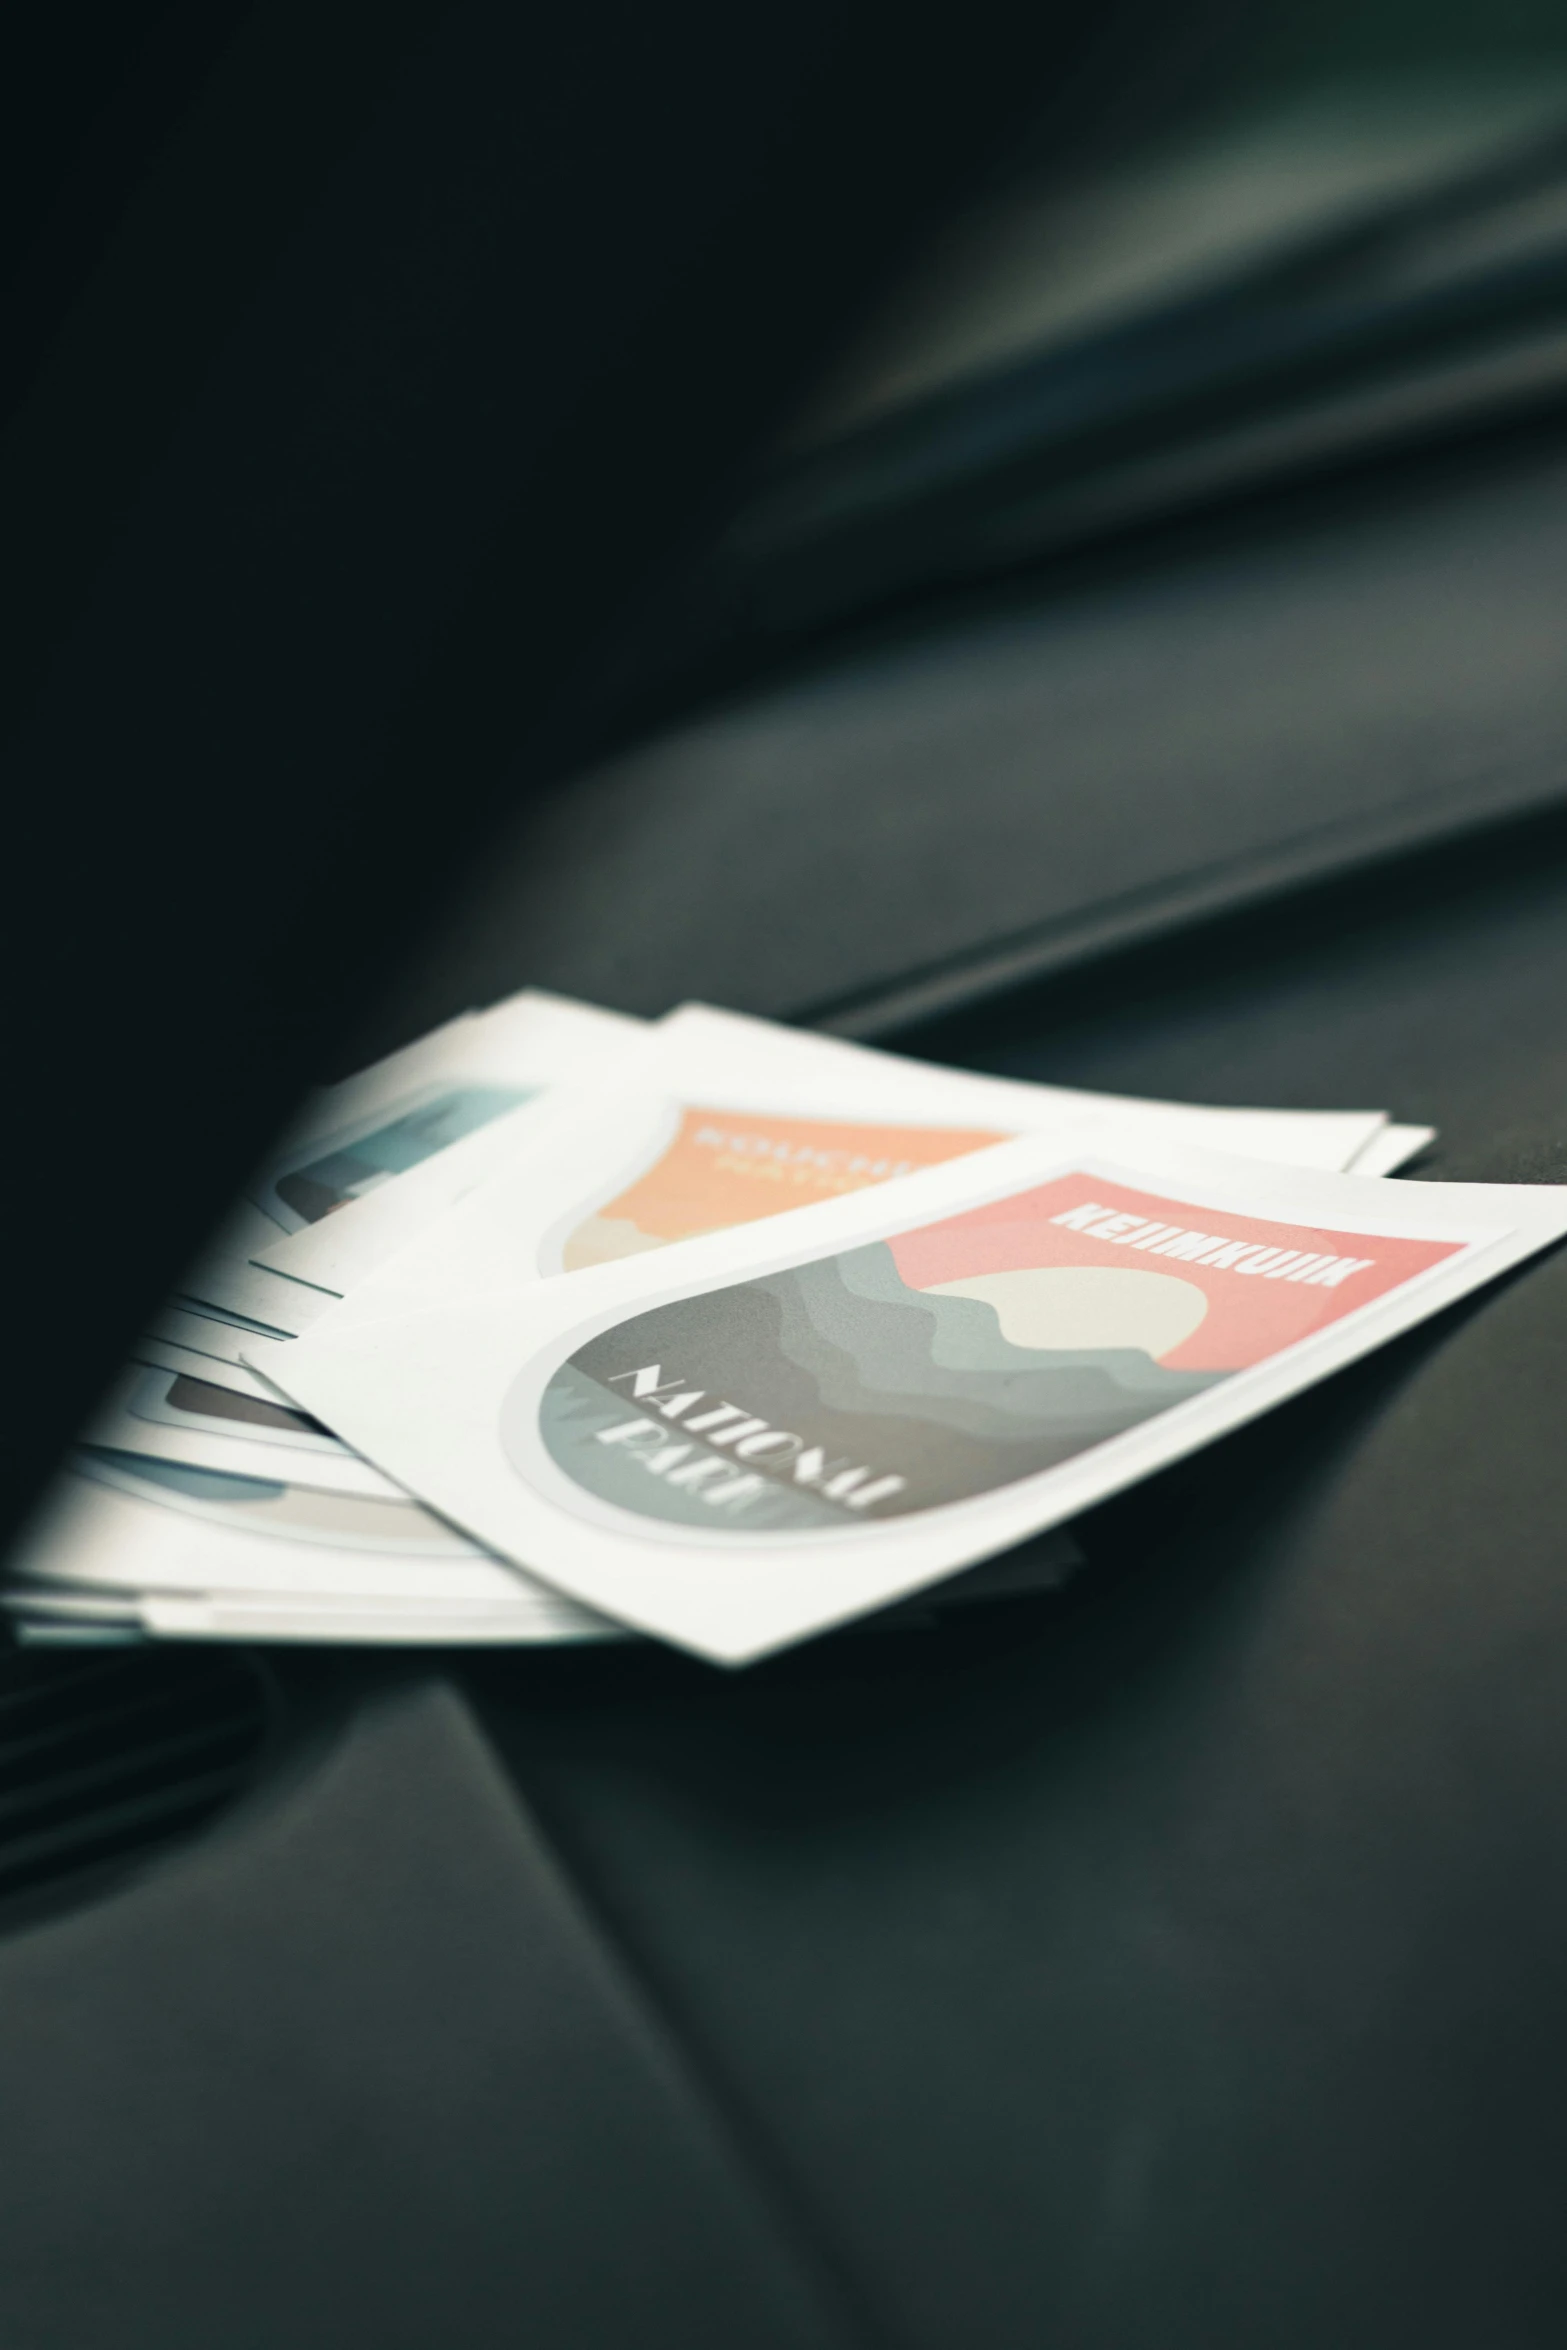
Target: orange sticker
(727,1167)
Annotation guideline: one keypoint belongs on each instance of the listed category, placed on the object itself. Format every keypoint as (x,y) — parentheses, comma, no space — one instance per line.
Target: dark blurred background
(1037,535)
(1187,509)
(838,514)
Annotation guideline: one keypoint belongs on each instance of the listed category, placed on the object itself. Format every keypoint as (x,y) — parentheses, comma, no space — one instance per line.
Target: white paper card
(738,1119)
(367,1133)
(164,1355)
(778,1427)
(171,1416)
(1393,1148)
(218,1335)
(144,1526)
(235,1617)
(113,1523)
(344,1249)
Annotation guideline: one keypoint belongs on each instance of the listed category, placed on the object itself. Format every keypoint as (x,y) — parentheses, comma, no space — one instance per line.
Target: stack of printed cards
(562,1327)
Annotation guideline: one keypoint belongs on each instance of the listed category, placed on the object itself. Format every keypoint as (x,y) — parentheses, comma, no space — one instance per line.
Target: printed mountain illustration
(841,1366)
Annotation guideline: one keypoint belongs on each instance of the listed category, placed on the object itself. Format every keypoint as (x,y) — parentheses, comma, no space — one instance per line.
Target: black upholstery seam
(725,2113)
(1430,825)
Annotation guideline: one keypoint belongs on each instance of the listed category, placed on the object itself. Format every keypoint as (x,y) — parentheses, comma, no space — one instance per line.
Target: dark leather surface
(1285,698)
(1174,1962)
(359,2070)
(1177,1963)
